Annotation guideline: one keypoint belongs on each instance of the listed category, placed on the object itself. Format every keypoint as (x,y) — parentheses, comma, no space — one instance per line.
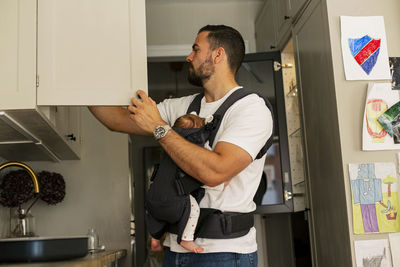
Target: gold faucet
(27,168)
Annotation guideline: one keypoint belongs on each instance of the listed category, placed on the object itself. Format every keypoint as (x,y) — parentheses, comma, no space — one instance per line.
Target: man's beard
(203,74)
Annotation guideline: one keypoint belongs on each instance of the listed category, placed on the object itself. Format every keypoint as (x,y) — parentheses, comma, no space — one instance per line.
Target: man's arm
(209,167)
(116,119)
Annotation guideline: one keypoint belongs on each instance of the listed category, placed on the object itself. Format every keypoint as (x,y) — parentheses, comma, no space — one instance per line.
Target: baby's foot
(191,246)
(156,245)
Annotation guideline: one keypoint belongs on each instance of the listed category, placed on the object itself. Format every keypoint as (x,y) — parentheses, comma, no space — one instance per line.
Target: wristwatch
(160,131)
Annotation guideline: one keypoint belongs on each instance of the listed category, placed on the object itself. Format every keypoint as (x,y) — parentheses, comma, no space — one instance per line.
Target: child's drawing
(364,48)
(375,198)
(372,253)
(365,51)
(380,98)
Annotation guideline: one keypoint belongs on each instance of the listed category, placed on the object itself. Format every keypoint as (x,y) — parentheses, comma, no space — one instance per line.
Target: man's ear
(219,55)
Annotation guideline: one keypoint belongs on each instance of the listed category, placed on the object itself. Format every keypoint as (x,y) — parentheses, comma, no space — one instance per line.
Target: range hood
(27,135)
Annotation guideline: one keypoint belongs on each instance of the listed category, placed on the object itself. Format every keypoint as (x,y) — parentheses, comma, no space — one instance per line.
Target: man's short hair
(228,38)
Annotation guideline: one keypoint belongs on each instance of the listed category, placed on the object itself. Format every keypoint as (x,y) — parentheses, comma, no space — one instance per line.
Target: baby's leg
(188,233)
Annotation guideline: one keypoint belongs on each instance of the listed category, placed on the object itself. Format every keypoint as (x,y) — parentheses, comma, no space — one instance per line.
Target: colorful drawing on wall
(374,198)
(372,253)
(364,48)
(365,51)
(394,65)
(394,240)
(380,98)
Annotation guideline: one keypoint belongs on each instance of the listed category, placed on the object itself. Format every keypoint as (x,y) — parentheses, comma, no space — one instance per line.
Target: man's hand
(145,113)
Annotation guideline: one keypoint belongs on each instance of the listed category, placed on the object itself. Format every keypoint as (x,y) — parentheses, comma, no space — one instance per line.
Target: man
(217,54)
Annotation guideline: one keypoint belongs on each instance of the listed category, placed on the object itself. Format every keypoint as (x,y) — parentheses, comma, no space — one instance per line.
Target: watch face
(159,132)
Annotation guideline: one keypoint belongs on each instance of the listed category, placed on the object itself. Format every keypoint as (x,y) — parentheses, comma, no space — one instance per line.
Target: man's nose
(189,57)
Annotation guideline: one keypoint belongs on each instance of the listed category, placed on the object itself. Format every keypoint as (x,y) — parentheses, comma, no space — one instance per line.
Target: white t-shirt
(247,124)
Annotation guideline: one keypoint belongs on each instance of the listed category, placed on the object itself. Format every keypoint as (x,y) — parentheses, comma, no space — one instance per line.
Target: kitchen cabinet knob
(71,137)
(272,47)
(286,17)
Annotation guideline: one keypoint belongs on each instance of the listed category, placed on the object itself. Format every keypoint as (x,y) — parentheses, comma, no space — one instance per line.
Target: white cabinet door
(265,29)
(17,54)
(91,52)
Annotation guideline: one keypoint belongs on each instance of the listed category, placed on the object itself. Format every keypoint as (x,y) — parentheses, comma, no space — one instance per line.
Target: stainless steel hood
(26,135)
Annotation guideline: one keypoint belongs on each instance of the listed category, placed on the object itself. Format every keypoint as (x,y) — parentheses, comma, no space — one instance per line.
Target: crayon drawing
(364,48)
(365,51)
(380,98)
(374,197)
(372,253)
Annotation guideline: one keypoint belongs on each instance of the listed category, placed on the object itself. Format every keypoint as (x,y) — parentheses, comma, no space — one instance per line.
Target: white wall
(97,190)
(174,22)
(351,95)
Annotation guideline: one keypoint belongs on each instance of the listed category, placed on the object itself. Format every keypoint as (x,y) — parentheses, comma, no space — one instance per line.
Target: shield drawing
(365,51)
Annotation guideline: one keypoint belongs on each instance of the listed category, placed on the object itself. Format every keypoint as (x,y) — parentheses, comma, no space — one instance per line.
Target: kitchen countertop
(99,259)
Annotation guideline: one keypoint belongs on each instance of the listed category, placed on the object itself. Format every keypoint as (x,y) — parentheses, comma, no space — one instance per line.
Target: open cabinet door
(281,187)
(282,217)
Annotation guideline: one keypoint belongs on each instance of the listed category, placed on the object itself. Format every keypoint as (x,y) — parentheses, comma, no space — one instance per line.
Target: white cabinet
(265,29)
(71,52)
(17,54)
(91,52)
(68,53)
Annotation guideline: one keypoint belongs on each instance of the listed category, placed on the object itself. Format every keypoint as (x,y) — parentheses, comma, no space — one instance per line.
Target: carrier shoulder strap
(218,115)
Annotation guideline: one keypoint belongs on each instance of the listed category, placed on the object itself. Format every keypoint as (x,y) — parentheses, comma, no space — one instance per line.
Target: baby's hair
(189,121)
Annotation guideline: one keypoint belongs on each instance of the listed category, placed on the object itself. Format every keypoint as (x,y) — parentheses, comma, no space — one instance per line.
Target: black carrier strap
(222,225)
(219,114)
(215,224)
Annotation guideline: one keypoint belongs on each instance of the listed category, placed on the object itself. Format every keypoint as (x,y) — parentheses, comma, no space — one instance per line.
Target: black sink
(33,249)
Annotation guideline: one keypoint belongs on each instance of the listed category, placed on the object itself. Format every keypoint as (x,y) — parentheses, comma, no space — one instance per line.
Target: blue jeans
(222,259)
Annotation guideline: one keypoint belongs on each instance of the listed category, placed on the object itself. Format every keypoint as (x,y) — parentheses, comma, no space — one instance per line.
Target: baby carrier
(167,200)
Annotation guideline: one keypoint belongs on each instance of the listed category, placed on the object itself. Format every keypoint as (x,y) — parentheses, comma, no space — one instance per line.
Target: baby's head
(189,121)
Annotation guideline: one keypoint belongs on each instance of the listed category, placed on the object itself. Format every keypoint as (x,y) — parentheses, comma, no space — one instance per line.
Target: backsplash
(4,216)
(4,222)
(97,191)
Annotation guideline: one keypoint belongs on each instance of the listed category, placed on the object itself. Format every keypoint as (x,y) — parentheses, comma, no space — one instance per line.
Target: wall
(176,22)
(97,191)
(351,95)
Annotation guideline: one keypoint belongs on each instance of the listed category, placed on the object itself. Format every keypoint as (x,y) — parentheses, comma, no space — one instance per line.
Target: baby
(187,121)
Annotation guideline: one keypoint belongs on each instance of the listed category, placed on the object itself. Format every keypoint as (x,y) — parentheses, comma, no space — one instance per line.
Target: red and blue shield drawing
(365,51)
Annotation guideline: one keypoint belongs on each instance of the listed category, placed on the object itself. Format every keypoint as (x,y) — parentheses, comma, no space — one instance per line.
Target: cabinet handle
(272,47)
(71,137)
(286,17)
